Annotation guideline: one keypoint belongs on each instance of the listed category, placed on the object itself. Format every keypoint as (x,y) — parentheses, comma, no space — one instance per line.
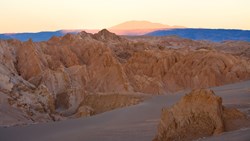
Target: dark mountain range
(216,35)
(38,36)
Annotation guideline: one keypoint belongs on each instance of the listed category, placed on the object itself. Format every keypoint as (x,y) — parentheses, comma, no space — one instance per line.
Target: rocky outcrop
(147,69)
(106,73)
(106,36)
(205,68)
(116,64)
(36,103)
(67,70)
(28,61)
(239,48)
(155,71)
(198,114)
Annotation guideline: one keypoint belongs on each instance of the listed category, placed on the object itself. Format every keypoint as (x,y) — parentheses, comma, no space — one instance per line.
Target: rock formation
(58,75)
(198,114)
(204,68)
(146,69)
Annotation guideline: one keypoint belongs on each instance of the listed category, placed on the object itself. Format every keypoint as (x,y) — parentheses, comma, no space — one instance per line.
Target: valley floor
(134,123)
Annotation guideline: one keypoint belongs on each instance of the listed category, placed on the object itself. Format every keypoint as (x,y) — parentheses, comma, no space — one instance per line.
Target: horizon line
(41,31)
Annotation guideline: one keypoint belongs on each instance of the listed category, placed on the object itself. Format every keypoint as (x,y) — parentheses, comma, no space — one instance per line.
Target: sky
(50,15)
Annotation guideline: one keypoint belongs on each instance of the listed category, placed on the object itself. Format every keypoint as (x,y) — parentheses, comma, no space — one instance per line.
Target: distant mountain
(39,36)
(130,25)
(126,28)
(145,28)
(139,27)
(215,35)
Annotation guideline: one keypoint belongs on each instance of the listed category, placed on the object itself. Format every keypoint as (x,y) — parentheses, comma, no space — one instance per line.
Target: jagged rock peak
(30,40)
(106,36)
(104,31)
(28,43)
(68,37)
(84,34)
(54,39)
(14,41)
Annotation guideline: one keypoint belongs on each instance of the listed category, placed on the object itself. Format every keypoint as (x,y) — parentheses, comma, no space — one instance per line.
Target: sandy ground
(134,123)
